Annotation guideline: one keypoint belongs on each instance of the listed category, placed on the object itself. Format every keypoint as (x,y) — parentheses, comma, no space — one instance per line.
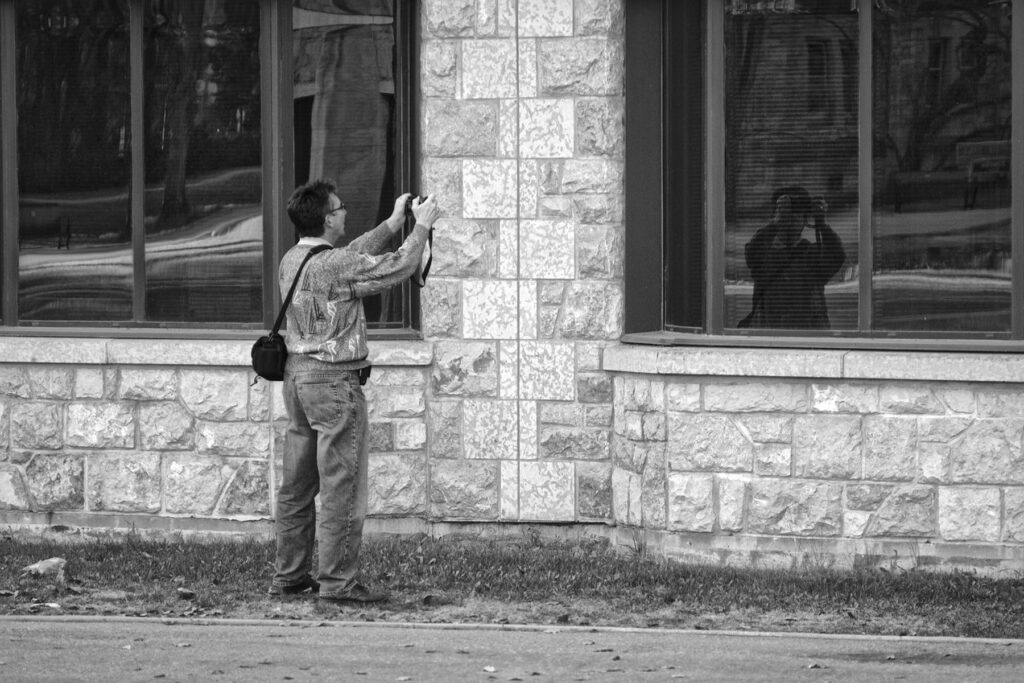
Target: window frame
(654,37)
(277,161)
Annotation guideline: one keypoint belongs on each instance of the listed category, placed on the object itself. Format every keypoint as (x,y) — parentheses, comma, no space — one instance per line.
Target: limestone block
(910,510)
(550,176)
(620,495)
(593,388)
(768,428)
(508,249)
(490,429)
(410,435)
(89,383)
(795,508)
(438,68)
(558,413)
(489,188)
(592,176)
(773,459)
(598,208)
(827,446)
(592,310)
(545,18)
(1008,402)
(635,393)
(594,490)
(165,426)
(957,400)
(441,303)
(38,350)
(600,252)
(755,397)
(546,128)
(444,424)
(683,397)
(489,70)
(588,357)
(100,425)
(397,484)
(220,395)
(409,353)
(547,320)
(909,398)
(248,492)
(13,492)
(580,66)
(489,309)
(465,369)
(241,439)
(691,504)
(1013,505)
(890,448)
(942,429)
(14,381)
(260,395)
(546,370)
(487,18)
(844,398)
(385,403)
(989,452)
(633,455)
(597,416)
(381,437)
(508,505)
(546,491)
(937,366)
(508,369)
(527,68)
(443,178)
(449,18)
(192,485)
(529,322)
(211,352)
(654,491)
(599,17)
(732,498)
(547,250)
(464,489)
(123,483)
(56,481)
(465,249)
(5,428)
(146,384)
(969,513)
(707,442)
(36,425)
(600,127)
(867,497)
(460,128)
(568,443)
(855,523)
(51,383)
(933,463)
(529,435)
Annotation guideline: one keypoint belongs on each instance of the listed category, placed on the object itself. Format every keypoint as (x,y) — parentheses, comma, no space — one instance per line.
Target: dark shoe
(358,594)
(308,583)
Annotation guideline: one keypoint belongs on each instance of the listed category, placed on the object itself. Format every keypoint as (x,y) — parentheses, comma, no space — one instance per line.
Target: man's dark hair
(800,198)
(309,205)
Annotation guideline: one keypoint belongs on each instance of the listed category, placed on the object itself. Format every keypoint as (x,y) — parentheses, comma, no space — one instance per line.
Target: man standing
(325,445)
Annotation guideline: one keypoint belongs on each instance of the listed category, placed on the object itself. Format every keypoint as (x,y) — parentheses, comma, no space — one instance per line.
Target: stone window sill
(209,352)
(946,366)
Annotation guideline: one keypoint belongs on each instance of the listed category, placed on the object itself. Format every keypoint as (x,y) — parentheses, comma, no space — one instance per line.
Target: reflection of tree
(902,61)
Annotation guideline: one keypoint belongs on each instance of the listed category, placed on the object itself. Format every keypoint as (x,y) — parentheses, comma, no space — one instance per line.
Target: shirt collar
(314,241)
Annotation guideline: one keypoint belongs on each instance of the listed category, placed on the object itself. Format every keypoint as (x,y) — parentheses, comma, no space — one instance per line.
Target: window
(850,161)
(148,147)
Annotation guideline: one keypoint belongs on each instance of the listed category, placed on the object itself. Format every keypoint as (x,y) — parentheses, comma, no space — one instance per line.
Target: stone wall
(834,457)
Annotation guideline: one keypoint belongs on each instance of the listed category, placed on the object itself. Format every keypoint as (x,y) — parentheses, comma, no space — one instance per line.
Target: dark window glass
(941,170)
(203,196)
(790,166)
(345,116)
(73,161)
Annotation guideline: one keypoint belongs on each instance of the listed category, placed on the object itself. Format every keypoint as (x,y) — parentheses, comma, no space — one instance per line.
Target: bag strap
(288,299)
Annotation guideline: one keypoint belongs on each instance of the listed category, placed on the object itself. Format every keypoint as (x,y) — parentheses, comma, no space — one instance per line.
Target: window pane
(73,161)
(345,116)
(203,198)
(791,145)
(941,215)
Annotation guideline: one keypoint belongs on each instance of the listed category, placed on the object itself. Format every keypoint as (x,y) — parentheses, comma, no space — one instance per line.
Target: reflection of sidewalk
(147,649)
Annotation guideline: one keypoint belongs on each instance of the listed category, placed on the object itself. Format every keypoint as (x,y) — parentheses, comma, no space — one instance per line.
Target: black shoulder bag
(269,353)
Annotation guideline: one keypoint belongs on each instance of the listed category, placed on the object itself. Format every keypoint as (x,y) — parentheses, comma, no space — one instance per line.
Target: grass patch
(502,581)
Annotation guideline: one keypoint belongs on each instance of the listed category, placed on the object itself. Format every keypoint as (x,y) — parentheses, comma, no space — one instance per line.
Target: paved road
(62,649)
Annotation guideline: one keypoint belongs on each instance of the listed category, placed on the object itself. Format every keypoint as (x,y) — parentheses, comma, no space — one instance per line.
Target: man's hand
(397,218)
(426,211)
(819,208)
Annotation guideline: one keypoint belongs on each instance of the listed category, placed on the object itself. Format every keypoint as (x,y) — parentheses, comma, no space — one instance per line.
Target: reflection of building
(578,208)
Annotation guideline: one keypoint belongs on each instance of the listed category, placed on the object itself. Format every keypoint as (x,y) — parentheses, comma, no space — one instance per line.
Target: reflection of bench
(977,163)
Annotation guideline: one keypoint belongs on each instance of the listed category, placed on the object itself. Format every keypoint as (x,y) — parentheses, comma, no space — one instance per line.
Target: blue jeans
(325,451)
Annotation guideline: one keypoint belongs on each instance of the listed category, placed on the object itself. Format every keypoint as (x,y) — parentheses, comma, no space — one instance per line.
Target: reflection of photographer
(789,271)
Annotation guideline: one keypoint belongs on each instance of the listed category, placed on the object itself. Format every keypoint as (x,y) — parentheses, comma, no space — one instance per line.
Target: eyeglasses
(341,207)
